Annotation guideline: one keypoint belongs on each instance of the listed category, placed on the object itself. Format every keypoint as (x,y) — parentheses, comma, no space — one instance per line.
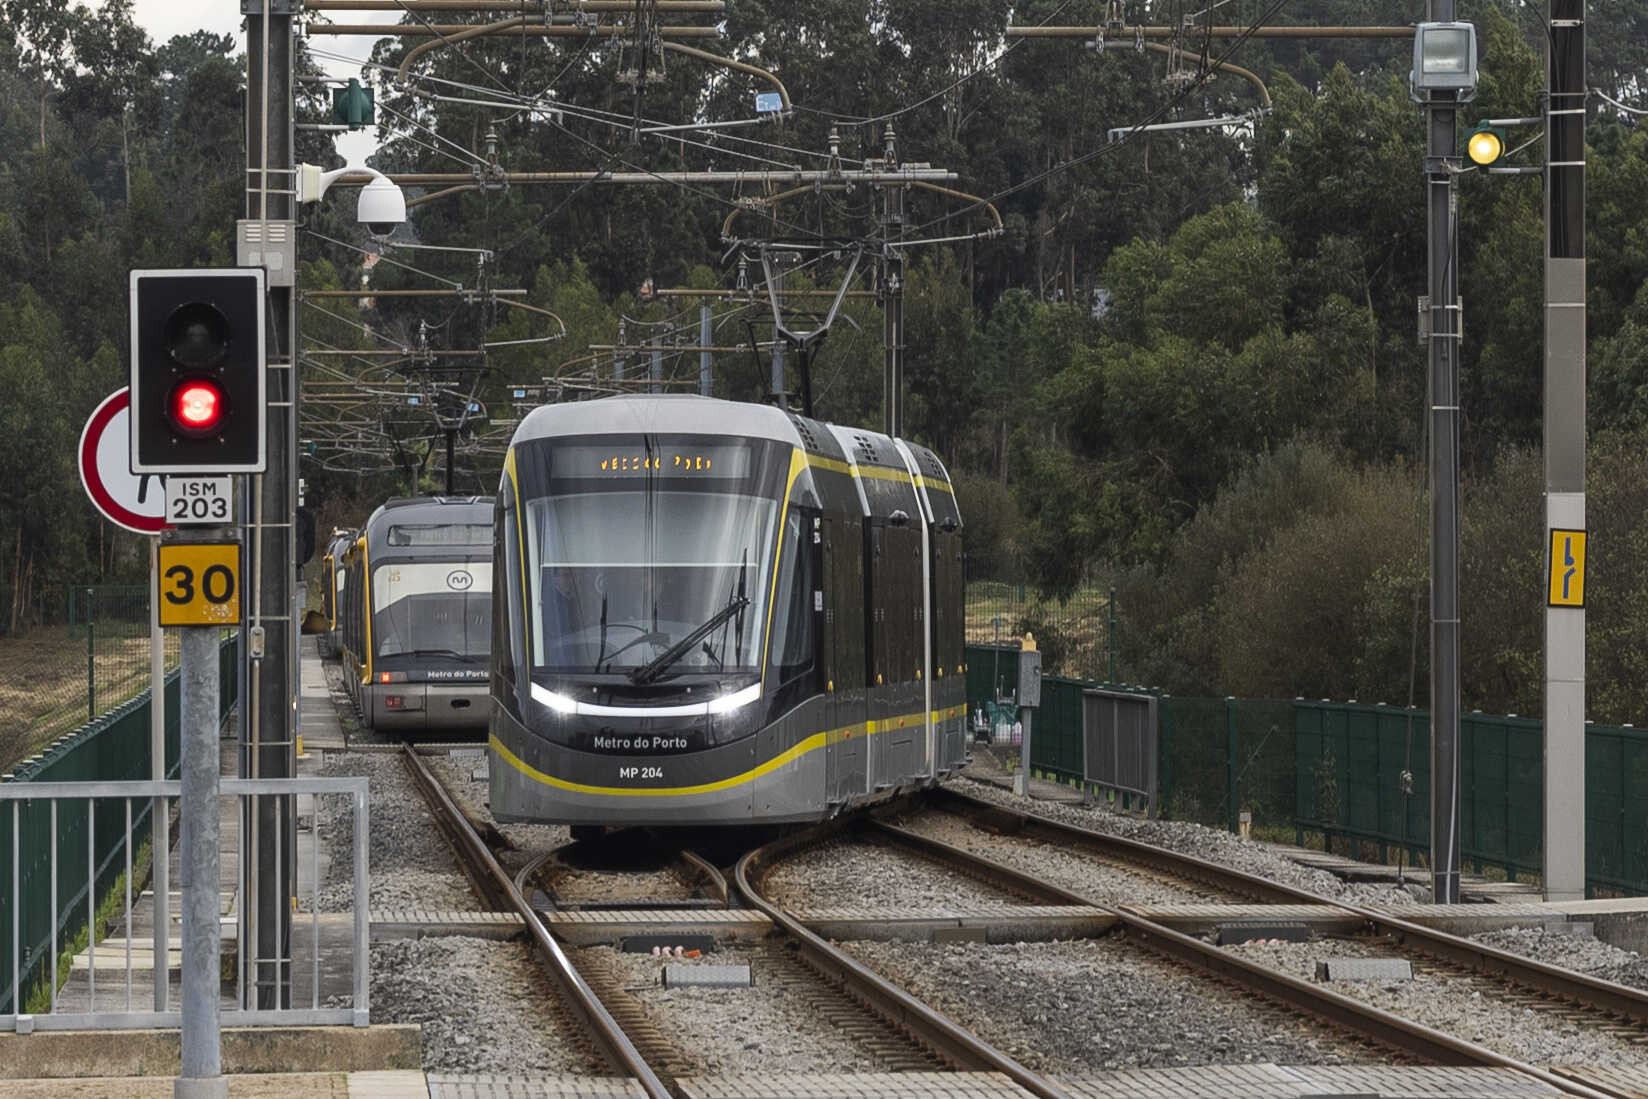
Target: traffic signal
(1485,144)
(198,384)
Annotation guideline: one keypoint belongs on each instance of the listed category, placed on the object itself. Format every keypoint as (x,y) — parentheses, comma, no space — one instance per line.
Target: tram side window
(503,657)
(792,646)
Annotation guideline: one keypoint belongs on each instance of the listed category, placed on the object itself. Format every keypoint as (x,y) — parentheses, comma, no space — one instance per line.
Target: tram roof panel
(657,414)
(427,511)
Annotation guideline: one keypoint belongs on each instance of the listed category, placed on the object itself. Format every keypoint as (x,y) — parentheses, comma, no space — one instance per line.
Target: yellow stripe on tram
(812,743)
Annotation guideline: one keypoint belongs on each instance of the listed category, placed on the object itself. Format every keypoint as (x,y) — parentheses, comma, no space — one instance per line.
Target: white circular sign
(134,501)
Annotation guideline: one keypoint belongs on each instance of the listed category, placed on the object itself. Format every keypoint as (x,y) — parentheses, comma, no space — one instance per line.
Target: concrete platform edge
(65,1053)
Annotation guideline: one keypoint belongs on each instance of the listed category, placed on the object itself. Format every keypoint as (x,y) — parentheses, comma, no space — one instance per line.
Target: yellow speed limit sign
(200,584)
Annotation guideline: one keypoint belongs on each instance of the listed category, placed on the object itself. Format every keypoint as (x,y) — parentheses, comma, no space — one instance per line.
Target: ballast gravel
(483,1005)
(1586,955)
(1099,1005)
(464,774)
(576,885)
(1477,1011)
(411,865)
(1073,870)
(770,1027)
(871,875)
(1225,848)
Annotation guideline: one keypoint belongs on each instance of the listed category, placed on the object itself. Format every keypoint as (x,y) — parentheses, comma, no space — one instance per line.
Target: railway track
(907,1035)
(898,1032)
(495,885)
(1517,979)
(942,1038)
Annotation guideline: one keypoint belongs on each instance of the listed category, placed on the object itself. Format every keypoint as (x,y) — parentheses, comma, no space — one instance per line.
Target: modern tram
(333,577)
(416,611)
(716,613)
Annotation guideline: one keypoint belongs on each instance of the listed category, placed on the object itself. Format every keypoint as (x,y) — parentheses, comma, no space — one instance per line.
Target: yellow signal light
(1485,146)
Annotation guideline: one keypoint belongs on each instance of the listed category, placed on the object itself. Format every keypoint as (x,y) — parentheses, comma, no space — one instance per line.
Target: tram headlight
(556,701)
(729,702)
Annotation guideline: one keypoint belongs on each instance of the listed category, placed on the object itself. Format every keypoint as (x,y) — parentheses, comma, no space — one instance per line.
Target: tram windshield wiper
(646,673)
(454,653)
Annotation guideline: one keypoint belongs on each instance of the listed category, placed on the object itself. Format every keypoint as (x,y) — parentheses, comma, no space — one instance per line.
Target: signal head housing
(198,382)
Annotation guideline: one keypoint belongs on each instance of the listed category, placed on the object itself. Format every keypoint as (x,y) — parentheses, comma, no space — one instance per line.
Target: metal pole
(159,816)
(91,662)
(1441,162)
(657,365)
(273,680)
(704,361)
(451,438)
(1112,643)
(202,1075)
(1021,781)
(1230,762)
(892,262)
(1564,852)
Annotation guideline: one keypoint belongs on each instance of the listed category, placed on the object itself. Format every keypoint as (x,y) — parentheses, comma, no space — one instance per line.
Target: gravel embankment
(871,875)
(482,1005)
(768,1028)
(1099,1005)
(1075,870)
(1589,956)
(1469,1009)
(465,778)
(1225,848)
(411,865)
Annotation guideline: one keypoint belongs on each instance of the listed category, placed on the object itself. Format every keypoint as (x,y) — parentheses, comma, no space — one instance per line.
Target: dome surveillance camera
(382,208)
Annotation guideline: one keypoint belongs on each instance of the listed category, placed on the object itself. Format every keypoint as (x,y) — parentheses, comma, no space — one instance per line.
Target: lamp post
(1444,75)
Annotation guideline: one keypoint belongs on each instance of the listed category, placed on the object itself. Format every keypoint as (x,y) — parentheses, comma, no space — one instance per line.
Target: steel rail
(493,883)
(1238,882)
(1363,1018)
(1578,988)
(943,1035)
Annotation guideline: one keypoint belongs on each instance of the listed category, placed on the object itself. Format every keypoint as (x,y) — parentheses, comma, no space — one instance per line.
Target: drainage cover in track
(1364,969)
(708,976)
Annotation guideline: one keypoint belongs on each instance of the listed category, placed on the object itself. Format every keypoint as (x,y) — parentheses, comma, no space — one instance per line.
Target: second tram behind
(333,578)
(416,610)
(715,613)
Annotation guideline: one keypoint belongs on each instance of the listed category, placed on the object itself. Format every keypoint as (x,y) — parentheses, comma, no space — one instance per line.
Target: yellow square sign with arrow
(1567,569)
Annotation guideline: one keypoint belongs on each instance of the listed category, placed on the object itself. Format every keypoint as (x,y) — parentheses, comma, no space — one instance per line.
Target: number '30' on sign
(199,584)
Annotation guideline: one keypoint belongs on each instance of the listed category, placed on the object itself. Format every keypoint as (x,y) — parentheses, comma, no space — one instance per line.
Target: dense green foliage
(1187,363)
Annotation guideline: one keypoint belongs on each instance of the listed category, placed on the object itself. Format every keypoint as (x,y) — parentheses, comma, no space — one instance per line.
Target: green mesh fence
(112,748)
(1350,785)
(92,657)
(1357,776)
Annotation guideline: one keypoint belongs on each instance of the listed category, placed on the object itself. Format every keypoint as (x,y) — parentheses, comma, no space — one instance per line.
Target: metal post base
(1021,783)
(200,1087)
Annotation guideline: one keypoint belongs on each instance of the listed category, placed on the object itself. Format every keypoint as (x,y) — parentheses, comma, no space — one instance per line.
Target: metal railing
(87,882)
(1120,745)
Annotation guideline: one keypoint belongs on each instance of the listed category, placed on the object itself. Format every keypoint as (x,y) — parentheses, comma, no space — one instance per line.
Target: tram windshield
(631,549)
(436,609)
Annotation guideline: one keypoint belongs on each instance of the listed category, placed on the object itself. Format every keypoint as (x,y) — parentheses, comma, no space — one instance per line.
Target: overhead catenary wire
(1127,139)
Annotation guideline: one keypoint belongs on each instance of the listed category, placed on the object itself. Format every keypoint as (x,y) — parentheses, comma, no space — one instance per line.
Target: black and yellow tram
(709,612)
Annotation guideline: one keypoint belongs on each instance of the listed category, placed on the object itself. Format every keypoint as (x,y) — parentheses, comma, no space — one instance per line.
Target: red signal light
(198,407)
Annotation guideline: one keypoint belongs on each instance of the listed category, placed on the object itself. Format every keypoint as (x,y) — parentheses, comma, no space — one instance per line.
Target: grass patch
(44,675)
(38,1001)
(1073,633)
